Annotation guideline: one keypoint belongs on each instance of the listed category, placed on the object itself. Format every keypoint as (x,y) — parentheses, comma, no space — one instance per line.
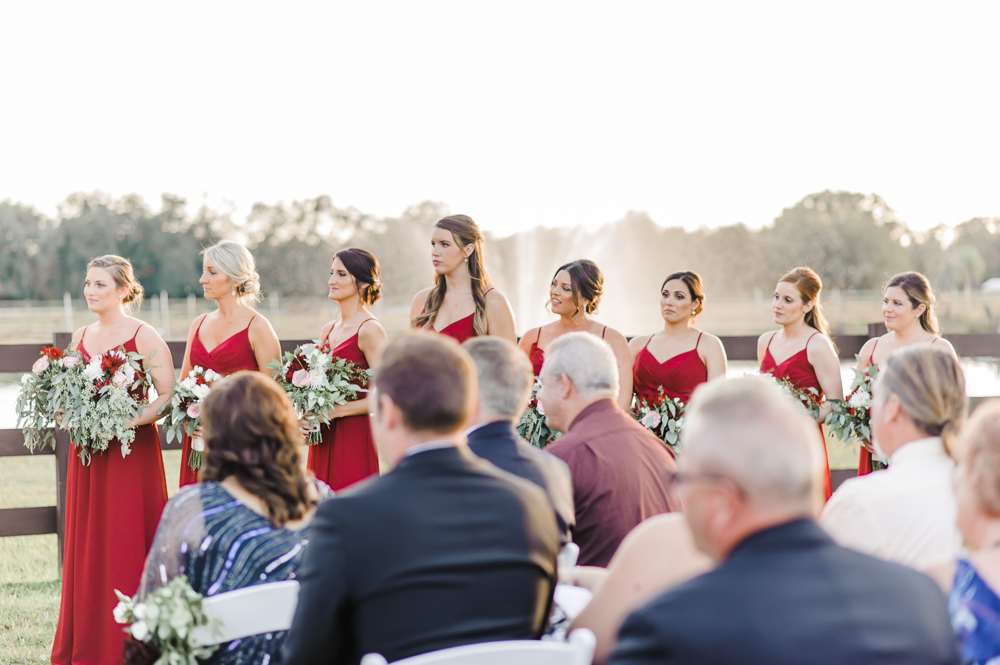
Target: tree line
(854,241)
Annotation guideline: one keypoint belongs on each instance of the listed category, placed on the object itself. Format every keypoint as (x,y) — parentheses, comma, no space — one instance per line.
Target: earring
(233,292)
(121,295)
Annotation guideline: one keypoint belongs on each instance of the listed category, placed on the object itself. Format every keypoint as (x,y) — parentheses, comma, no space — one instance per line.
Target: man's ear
(892,408)
(566,387)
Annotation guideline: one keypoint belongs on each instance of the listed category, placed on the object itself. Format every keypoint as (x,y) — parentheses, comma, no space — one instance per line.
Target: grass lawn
(29,575)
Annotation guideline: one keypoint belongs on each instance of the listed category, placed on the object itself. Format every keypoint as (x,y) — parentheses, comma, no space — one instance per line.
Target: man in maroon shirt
(620,470)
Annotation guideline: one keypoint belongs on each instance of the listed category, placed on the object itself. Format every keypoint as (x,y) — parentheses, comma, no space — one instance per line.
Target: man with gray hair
(620,470)
(783,592)
(505,382)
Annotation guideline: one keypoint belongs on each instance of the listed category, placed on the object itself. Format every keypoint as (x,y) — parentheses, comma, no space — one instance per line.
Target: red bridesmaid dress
(678,375)
(112,509)
(347,452)
(461,330)
(233,354)
(865,458)
(801,374)
(537,355)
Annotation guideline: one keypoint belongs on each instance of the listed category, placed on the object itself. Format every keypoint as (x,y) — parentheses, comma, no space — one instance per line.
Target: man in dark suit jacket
(505,382)
(443,550)
(783,592)
(619,469)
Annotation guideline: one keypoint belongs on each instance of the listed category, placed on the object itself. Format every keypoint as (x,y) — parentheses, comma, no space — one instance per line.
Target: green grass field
(29,575)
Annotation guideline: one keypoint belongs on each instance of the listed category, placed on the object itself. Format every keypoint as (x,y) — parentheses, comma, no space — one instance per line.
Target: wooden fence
(49,519)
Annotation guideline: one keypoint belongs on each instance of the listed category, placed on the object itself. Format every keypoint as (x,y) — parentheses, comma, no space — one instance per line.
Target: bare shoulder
(259,325)
(820,343)
(495,295)
(497,302)
(945,345)
(712,341)
(421,296)
(867,349)
(528,338)
(765,338)
(636,343)
(615,338)
(146,334)
(327,327)
(77,335)
(371,331)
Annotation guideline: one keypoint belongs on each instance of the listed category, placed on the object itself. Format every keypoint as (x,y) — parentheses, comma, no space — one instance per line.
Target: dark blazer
(499,444)
(790,595)
(619,474)
(442,551)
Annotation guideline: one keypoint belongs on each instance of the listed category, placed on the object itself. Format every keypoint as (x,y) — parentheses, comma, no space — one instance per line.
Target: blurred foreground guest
(443,550)
(618,466)
(505,383)
(252,508)
(906,513)
(971,582)
(783,592)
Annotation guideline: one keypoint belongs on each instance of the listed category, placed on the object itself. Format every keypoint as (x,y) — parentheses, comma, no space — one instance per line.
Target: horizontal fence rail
(49,519)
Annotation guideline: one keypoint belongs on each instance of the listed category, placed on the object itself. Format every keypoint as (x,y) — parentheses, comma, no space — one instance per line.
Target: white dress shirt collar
(918,449)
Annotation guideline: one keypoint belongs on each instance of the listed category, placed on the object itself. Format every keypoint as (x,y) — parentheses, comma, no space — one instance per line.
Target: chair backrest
(254,610)
(579,650)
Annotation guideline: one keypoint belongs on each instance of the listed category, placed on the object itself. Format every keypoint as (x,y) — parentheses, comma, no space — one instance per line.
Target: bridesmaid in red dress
(690,356)
(908,312)
(809,359)
(462,303)
(574,293)
(233,337)
(347,452)
(113,504)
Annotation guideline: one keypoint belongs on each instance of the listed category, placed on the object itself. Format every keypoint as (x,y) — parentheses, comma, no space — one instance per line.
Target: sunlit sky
(517,113)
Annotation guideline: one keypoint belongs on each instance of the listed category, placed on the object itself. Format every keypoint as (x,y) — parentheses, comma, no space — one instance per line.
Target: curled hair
(980,446)
(466,232)
(121,271)
(586,281)
(364,268)
(237,263)
(809,285)
(918,290)
(930,385)
(692,281)
(251,434)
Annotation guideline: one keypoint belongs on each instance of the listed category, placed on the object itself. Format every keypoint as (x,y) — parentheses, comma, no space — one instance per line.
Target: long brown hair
(918,290)
(251,434)
(586,281)
(809,285)
(465,232)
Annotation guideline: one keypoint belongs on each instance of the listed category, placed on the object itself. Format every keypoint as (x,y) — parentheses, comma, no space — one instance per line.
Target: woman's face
(787,305)
(676,304)
(101,292)
(970,517)
(897,310)
(446,253)
(561,295)
(214,282)
(342,284)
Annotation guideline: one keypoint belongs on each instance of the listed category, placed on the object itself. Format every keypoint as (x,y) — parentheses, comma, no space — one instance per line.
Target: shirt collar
(429,445)
(603,404)
(932,446)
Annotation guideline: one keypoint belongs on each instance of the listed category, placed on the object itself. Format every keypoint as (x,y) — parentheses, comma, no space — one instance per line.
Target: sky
(516,113)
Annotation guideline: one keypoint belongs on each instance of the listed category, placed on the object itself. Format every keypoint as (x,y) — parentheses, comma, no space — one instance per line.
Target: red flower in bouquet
(52,352)
(112,362)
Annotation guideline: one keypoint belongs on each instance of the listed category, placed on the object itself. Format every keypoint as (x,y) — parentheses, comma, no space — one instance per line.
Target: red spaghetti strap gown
(679,375)
(233,354)
(460,330)
(537,355)
(347,452)
(865,458)
(112,509)
(801,375)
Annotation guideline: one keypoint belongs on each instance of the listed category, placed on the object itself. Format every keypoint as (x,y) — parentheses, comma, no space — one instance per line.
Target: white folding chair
(254,610)
(579,650)
(568,555)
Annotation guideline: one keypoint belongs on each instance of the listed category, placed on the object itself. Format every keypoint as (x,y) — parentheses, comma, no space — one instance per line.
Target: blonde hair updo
(237,263)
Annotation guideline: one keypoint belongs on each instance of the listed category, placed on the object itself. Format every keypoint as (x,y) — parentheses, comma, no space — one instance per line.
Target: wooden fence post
(63,451)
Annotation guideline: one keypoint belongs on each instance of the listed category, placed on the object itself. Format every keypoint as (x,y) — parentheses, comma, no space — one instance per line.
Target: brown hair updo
(692,281)
(918,290)
(930,385)
(466,232)
(251,434)
(587,282)
(364,268)
(121,271)
(809,285)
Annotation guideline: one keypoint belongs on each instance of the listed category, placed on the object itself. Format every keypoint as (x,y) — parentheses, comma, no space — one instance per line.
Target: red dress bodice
(461,330)
(679,375)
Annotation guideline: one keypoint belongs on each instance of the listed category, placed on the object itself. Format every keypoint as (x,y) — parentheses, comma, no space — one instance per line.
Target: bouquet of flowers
(851,417)
(532,427)
(316,382)
(664,417)
(43,393)
(168,619)
(101,402)
(185,410)
(807,398)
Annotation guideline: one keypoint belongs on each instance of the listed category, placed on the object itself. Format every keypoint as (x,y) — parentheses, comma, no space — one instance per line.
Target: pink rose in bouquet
(40,365)
(70,361)
(301,378)
(194,410)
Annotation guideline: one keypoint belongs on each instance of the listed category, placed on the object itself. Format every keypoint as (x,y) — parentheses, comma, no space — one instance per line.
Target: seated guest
(443,550)
(971,581)
(254,506)
(655,556)
(505,383)
(906,513)
(618,467)
(783,592)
